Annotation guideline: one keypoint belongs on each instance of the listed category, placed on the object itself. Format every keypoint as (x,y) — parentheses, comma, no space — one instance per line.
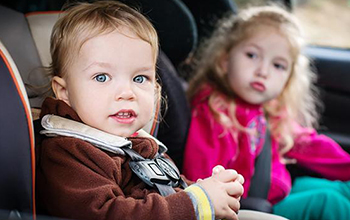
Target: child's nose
(125,92)
(263,69)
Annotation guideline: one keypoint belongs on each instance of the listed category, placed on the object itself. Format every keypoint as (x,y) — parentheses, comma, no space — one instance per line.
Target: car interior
(181,25)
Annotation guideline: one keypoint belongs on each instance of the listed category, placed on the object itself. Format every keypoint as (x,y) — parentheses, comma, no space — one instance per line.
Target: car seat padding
(16,141)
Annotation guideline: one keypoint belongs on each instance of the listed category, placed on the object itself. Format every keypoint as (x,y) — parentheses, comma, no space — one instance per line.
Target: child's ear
(59,87)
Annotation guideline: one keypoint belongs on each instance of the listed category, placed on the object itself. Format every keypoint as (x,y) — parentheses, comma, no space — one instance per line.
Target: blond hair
(83,21)
(296,103)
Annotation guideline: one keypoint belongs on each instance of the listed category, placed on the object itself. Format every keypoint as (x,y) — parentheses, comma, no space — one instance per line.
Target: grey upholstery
(16,37)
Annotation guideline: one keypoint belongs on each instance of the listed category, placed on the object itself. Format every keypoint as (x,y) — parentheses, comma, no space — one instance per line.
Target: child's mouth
(258,86)
(124,116)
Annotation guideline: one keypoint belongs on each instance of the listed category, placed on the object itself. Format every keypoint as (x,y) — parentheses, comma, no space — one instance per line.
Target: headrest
(16,140)
(41,24)
(16,36)
(208,12)
(173,21)
(175,25)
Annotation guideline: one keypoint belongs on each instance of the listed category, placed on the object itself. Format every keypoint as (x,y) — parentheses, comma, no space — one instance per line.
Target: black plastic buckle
(149,172)
(159,170)
(169,169)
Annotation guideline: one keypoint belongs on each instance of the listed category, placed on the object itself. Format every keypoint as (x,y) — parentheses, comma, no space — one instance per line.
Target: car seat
(208,12)
(16,144)
(175,25)
(206,15)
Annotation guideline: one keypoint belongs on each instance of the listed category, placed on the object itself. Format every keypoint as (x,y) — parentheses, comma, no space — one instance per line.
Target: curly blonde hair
(296,103)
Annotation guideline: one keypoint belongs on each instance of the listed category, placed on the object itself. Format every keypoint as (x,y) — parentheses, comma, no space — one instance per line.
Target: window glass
(325,22)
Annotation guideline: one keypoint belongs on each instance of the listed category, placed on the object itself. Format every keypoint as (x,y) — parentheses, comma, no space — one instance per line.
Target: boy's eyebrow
(101,64)
(145,69)
(107,65)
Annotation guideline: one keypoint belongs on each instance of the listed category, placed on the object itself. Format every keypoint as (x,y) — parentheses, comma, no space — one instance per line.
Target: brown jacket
(77,180)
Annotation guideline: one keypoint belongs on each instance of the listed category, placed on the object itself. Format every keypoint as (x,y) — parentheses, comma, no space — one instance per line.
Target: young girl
(93,162)
(251,77)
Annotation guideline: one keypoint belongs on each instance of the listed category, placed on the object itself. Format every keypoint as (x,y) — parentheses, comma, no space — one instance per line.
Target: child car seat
(175,25)
(16,144)
(173,127)
(207,13)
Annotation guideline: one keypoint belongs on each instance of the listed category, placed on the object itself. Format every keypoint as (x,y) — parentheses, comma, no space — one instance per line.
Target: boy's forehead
(83,38)
(117,48)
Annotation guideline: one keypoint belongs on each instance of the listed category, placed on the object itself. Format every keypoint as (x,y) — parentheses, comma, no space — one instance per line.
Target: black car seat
(175,25)
(208,12)
(16,144)
(173,127)
(206,15)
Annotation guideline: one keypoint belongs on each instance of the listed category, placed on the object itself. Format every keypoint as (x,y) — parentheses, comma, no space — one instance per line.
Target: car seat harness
(159,172)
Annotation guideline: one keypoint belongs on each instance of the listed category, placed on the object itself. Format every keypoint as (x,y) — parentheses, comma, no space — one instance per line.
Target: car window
(325,22)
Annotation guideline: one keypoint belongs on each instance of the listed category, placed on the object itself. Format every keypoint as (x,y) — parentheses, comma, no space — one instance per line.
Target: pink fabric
(208,144)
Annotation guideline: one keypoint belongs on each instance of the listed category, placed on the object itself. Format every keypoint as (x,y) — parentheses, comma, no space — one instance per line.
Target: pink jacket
(208,144)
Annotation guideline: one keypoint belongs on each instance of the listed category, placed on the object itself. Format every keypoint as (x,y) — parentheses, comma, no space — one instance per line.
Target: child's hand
(224,192)
(218,168)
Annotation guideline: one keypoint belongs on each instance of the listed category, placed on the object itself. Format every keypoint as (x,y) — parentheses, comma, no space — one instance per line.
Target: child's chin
(119,133)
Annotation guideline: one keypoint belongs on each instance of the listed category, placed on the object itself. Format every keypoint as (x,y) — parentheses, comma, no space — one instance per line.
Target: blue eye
(280,66)
(139,79)
(251,55)
(101,77)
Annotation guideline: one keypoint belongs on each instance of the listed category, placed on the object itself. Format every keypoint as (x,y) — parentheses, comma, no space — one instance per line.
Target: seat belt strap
(164,190)
(261,180)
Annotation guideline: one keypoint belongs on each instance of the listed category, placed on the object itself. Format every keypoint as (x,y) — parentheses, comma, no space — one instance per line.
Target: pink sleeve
(320,154)
(207,145)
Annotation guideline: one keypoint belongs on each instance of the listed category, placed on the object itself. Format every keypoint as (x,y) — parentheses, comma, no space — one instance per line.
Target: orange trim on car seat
(155,121)
(30,125)
(42,13)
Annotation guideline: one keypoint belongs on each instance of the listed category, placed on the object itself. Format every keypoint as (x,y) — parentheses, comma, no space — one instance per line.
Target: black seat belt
(261,180)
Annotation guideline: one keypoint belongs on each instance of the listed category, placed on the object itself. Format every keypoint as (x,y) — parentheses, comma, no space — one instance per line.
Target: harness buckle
(159,170)
(149,172)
